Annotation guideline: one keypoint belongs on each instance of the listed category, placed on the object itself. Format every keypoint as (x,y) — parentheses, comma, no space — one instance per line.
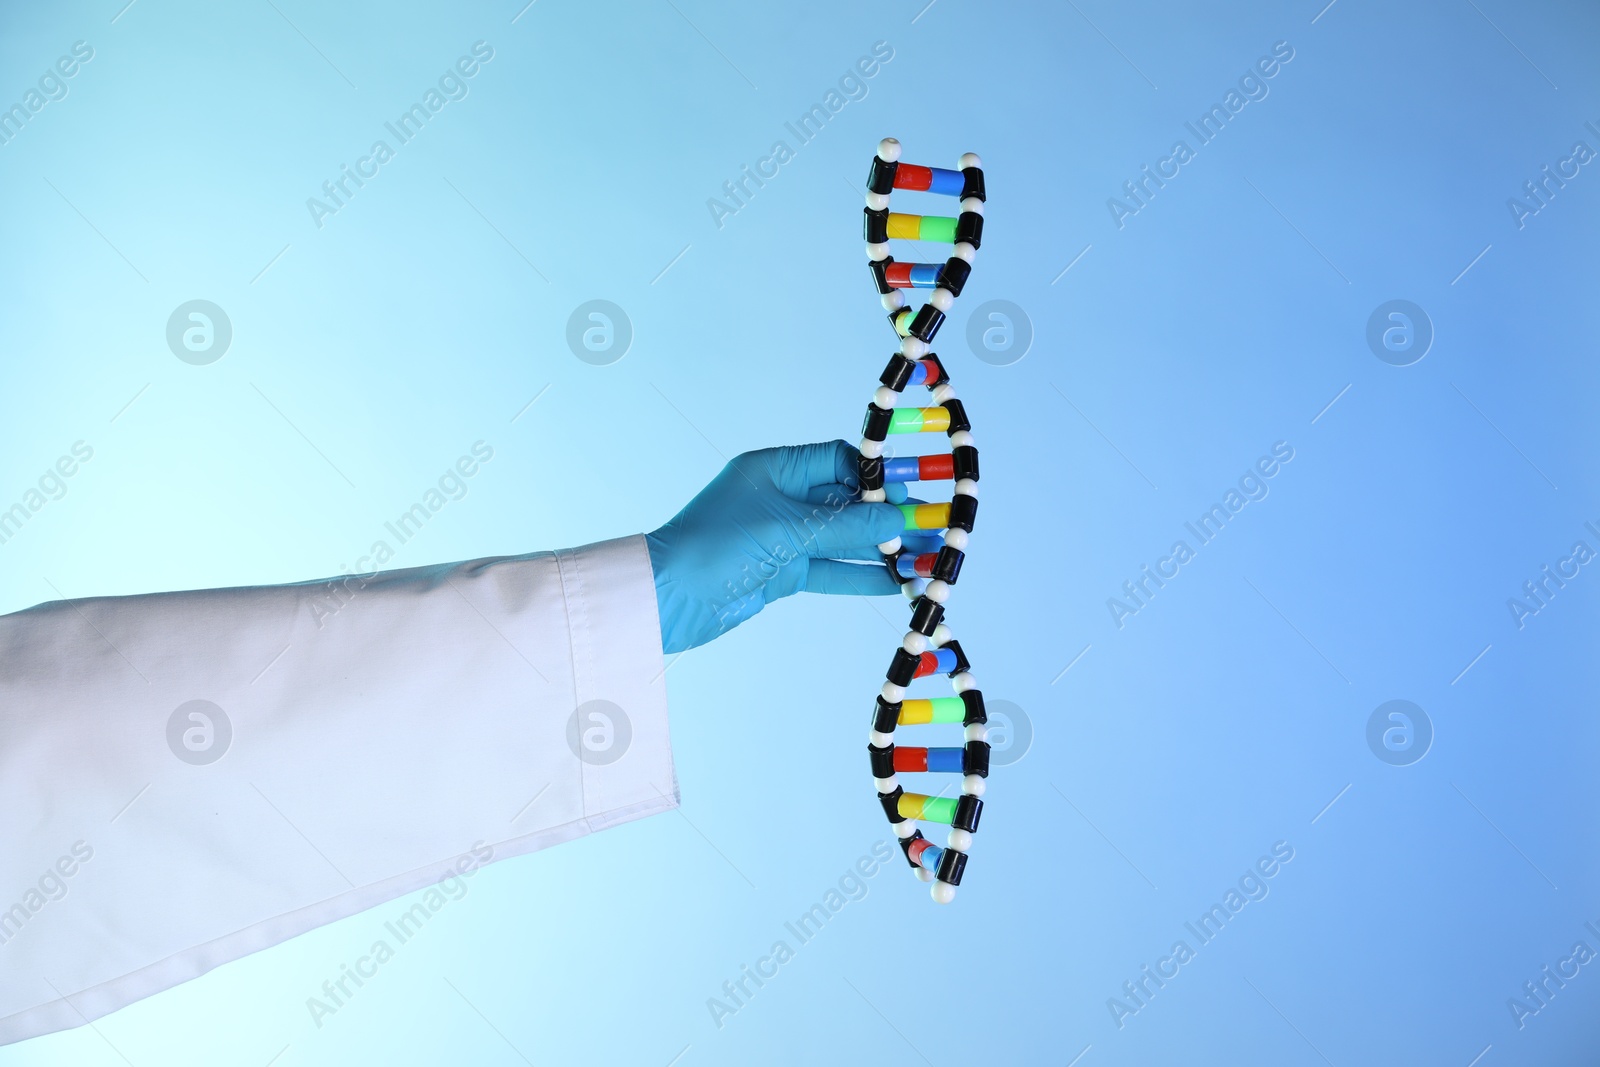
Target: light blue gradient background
(1221,719)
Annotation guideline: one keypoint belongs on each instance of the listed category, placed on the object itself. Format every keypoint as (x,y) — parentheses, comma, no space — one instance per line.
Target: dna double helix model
(925,564)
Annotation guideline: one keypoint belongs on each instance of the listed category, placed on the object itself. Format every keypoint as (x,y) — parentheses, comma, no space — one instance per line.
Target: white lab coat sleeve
(359,740)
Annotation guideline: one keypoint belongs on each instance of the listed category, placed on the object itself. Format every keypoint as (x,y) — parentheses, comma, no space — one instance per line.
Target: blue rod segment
(906,565)
(930,858)
(919,374)
(949,760)
(924,275)
(904,468)
(946,657)
(948,182)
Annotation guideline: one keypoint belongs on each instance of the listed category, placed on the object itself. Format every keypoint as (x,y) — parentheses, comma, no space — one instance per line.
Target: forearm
(379,731)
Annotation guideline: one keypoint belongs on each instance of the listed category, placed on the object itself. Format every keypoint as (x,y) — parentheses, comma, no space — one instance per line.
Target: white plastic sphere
(884,397)
(889,150)
(943,394)
(892,694)
(925,875)
(976,732)
(967,486)
(956,538)
(877,252)
(941,299)
(963,439)
(963,251)
(973,786)
(961,681)
(877,201)
(905,828)
(913,348)
(886,785)
(890,546)
(879,738)
(937,591)
(893,300)
(943,892)
(972,204)
(942,635)
(960,840)
(968,159)
(914,588)
(914,643)
(871,449)
(873,496)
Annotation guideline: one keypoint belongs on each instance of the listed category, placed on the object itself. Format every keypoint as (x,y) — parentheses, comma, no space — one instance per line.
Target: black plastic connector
(958,416)
(968,809)
(880,273)
(875,427)
(903,668)
(882,760)
(891,804)
(948,566)
(897,375)
(869,470)
(974,759)
(875,225)
(925,616)
(885,716)
(892,561)
(953,275)
(975,711)
(969,228)
(926,325)
(951,866)
(971,183)
(880,179)
(966,462)
(963,512)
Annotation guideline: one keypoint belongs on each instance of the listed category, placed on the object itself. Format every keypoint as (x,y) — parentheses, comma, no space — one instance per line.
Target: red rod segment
(898,275)
(935,468)
(909,176)
(907,758)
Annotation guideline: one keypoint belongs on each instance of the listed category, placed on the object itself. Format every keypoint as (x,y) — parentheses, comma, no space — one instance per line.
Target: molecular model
(925,567)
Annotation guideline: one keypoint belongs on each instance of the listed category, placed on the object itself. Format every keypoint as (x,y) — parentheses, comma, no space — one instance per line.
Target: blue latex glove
(772,523)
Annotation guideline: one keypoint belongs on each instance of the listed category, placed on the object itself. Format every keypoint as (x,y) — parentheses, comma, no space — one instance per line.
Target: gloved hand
(774,522)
